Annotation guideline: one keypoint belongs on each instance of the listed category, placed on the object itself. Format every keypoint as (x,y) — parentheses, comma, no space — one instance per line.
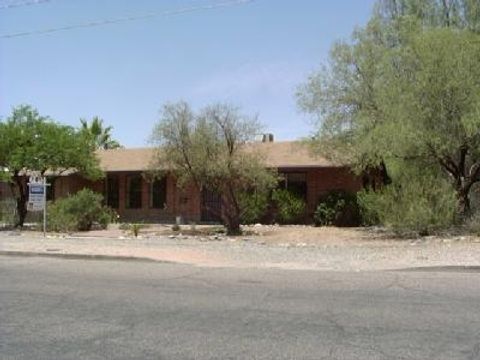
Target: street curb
(83,256)
(444,268)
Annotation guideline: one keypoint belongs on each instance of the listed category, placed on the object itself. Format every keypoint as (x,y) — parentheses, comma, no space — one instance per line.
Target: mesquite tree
(405,90)
(211,150)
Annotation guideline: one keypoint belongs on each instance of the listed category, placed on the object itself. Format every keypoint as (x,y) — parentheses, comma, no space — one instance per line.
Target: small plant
(135,228)
(290,207)
(175,227)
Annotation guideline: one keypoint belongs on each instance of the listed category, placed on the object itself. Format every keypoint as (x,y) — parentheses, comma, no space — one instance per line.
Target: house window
(112,192)
(295,182)
(158,193)
(51,189)
(134,192)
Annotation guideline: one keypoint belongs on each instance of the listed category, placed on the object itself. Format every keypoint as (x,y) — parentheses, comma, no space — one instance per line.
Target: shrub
(255,206)
(290,207)
(420,204)
(337,208)
(7,212)
(79,212)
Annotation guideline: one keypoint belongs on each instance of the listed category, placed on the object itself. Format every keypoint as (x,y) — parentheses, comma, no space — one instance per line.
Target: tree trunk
(232,223)
(230,214)
(18,188)
(464,207)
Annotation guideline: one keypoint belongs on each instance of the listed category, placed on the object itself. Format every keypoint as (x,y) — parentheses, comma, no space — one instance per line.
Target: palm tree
(101,136)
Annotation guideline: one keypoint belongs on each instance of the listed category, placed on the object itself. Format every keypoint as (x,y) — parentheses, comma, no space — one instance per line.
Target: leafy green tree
(343,98)
(431,99)
(462,14)
(210,149)
(405,89)
(30,142)
(100,136)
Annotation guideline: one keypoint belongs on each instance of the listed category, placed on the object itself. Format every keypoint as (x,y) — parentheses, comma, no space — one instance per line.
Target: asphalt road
(97,309)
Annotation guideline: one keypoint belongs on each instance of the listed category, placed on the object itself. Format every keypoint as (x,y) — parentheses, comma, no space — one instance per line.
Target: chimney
(264,138)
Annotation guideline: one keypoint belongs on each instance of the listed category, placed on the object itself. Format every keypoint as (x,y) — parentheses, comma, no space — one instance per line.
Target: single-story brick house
(135,197)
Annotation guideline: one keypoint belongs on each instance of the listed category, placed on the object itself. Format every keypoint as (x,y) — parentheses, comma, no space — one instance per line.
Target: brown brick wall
(68,185)
(321,181)
(186,202)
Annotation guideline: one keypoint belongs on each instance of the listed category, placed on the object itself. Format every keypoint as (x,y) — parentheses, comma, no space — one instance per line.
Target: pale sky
(253,55)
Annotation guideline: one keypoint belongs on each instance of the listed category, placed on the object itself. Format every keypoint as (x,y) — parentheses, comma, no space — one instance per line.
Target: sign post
(37,197)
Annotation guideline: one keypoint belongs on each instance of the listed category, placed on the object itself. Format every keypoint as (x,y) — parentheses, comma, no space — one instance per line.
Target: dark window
(296,182)
(158,194)
(51,189)
(112,192)
(134,192)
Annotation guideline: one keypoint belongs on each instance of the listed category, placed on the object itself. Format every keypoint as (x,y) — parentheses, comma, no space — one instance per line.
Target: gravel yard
(288,247)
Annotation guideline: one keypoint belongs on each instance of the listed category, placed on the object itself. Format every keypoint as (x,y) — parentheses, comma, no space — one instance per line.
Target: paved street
(100,309)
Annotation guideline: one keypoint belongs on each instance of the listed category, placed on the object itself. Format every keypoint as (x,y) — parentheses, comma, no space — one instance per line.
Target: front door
(211,207)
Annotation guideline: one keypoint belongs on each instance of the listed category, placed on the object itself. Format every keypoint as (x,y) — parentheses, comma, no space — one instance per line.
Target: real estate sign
(36,197)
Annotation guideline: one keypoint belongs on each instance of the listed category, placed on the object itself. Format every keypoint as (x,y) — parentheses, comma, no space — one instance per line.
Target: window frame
(128,197)
(284,184)
(108,194)
(164,185)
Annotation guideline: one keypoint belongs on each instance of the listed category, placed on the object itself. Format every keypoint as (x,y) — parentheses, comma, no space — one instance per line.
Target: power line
(186,10)
(23,3)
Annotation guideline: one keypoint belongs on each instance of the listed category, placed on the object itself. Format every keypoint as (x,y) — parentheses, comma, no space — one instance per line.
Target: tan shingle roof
(283,154)
(137,159)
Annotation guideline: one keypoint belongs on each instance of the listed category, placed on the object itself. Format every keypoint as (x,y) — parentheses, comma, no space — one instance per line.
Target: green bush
(337,208)
(473,224)
(290,207)
(255,206)
(418,204)
(7,212)
(79,212)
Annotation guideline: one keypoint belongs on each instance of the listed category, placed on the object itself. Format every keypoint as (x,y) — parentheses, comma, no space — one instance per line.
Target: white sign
(36,197)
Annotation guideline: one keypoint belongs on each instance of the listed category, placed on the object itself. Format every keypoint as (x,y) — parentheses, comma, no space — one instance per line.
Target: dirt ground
(267,234)
(287,247)
(295,235)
